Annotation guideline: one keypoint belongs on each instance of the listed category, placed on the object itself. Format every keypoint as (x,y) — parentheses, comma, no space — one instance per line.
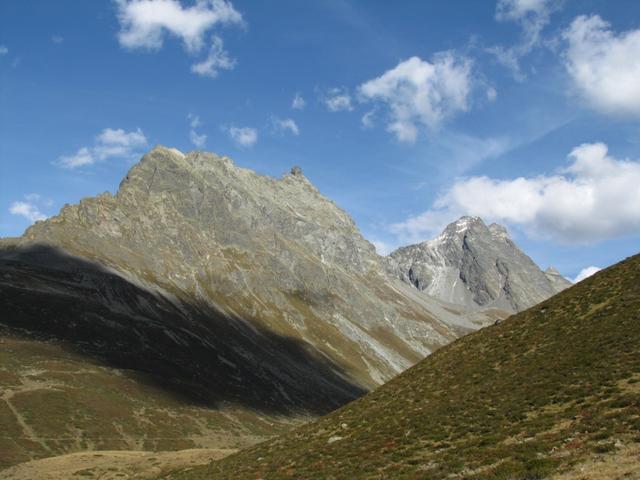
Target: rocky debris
(476,266)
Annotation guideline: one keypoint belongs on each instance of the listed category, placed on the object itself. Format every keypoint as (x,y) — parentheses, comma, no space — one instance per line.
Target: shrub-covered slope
(536,394)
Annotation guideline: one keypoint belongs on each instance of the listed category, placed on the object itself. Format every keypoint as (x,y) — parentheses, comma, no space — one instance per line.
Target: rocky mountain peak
(273,252)
(477,266)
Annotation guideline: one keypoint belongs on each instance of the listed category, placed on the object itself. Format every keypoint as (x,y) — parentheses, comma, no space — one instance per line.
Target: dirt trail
(108,465)
(28,385)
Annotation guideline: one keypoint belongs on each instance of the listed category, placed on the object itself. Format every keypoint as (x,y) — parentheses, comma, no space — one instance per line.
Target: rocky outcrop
(477,266)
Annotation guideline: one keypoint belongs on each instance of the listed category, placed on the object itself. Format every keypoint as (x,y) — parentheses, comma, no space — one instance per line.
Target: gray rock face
(476,266)
(273,254)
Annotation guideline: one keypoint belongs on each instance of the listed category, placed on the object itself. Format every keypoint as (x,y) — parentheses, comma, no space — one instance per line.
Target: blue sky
(407,114)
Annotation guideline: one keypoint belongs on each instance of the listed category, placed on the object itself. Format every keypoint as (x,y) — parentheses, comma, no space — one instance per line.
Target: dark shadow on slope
(188,348)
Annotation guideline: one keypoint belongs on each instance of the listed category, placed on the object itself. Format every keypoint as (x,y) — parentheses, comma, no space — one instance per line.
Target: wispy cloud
(57,39)
(110,143)
(198,139)
(338,99)
(285,125)
(218,59)
(298,102)
(243,136)
(532,16)
(3,50)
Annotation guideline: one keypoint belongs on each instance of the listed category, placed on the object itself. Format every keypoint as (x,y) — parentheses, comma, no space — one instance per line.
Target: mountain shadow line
(183,345)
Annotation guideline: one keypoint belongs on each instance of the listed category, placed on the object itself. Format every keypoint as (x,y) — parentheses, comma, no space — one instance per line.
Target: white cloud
(368,119)
(144,24)
(605,66)
(57,39)
(118,143)
(27,210)
(596,197)
(194,121)
(284,125)
(338,99)
(458,152)
(298,102)
(197,139)
(3,50)
(243,136)
(79,159)
(492,94)
(585,273)
(533,16)
(218,59)
(419,93)
(109,143)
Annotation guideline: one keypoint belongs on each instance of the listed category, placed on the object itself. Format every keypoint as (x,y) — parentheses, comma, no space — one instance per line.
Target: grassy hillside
(537,394)
(55,401)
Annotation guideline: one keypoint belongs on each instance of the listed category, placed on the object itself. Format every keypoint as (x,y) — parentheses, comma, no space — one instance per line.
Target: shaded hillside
(538,393)
(90,360)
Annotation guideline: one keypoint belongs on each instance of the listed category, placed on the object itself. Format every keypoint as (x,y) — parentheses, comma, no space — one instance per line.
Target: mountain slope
(477,266)
(211,305)
(541,392)
(272,250)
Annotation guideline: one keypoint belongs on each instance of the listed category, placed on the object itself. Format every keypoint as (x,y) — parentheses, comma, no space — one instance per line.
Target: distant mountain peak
(477,266)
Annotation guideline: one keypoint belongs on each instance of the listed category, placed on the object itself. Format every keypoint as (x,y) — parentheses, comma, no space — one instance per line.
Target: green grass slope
(532,396)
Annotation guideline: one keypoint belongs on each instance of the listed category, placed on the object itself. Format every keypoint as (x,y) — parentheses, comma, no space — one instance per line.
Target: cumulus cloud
(604,66)
(144,24)
(218,59)
(3,50)
(109,143)
(29,208)
(532,16)
(196,138)
(418,93)
(338,99)
(594,198)
(298,102)
(243,136)
(285,125)
(585,273)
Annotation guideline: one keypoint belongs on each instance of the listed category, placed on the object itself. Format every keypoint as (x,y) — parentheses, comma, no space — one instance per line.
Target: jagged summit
(476,265)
